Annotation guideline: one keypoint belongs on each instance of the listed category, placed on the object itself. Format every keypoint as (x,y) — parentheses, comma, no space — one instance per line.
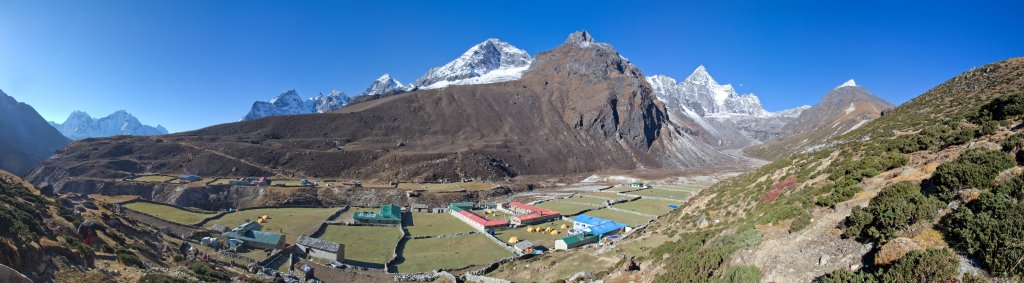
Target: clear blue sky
(191,64)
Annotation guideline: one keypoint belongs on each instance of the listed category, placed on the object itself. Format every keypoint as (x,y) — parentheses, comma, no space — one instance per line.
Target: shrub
(743,273)
(895,208)
(933,265)
(1013,142)
(800,223)
(976,168)
(844,275)
(991,228)
(1002,108)
(839,195)
(698,256)
(206,272)
(128,258)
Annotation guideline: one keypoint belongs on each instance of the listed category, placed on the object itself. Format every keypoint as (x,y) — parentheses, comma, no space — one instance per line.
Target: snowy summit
(490,61)
(847,83)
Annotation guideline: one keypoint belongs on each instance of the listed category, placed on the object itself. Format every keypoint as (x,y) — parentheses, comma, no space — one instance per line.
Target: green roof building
(389,214)
(575,241)
(460,206)
(250,235)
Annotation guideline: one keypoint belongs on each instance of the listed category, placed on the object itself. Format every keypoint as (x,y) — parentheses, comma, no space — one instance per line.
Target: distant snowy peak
(846,84)
(290,103)
(792,112)
(80,125)
(384,84)
(490,61)
(703,95)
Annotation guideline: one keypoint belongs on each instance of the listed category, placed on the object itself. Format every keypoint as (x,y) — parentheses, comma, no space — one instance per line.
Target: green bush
(991,228)
(1002,108)
(206,272)
(839,195)
(933,265)
(800,223)
(698,257)
(895,208)
(743,273)
(844,275)
(1013,142)
(128,258)
(976,168)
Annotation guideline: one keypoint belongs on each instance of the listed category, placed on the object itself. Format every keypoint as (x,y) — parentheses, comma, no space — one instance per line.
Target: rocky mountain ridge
(25,137)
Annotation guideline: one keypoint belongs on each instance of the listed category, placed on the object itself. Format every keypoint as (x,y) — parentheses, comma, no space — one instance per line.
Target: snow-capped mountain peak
(384,84)
(847,83)
(490,61)
(701,76)
(290,103)
(80,125)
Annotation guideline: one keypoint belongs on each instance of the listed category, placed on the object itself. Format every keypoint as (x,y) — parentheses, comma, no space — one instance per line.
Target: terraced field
(649,206)
(422,255)
(368,244)
(565,207)
(293,222)
(618,216)
(422,224)
(537,238)
(169,213)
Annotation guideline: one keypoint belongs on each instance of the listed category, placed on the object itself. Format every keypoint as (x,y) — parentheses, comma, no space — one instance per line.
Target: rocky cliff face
(25,137)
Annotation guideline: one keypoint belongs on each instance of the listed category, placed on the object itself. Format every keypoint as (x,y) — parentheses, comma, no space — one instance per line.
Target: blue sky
(190,64)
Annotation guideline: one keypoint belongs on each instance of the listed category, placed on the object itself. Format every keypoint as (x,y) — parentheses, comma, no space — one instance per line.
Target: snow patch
(847,83)
(851,108)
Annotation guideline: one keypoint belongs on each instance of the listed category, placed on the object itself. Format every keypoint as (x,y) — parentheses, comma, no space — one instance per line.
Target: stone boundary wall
(181,230)
(652,216)
(443,236)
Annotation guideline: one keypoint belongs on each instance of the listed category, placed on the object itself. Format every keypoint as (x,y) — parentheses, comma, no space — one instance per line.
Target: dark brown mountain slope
(841,110)
(580,108)
(25,138)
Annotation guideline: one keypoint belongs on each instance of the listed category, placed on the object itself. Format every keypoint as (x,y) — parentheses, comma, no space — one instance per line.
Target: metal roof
(319,244)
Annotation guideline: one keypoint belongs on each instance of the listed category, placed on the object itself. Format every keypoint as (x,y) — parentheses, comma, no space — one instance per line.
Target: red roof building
(527,214)
(477,221)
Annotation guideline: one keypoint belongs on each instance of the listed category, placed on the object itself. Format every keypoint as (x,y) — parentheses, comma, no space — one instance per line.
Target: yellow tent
(548,229)
(513,240)
(564,227)
(554,232)
(490,211)
(265,216)
(259,220)
(529,229)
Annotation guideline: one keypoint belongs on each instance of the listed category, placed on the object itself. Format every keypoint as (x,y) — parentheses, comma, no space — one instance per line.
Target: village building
(390,214)
(251,181)
(595,225)
(251,236)
(321,249)
(419,207)
(188,178)
(464,211)
(523,247)
(638,185)
(527,214)
(575,241)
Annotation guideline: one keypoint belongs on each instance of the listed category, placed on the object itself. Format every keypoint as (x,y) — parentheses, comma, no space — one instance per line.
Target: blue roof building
(596,225)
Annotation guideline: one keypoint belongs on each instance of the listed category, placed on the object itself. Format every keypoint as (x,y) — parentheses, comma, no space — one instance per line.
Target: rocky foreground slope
(579,108)
(930,192)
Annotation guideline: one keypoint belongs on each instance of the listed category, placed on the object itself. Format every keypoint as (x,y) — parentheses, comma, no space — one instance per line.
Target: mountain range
(578,108)
(79,125)
(26,138)
(490,61)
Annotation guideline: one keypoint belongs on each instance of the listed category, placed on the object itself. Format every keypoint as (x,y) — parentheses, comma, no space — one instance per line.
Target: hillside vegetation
(916,195)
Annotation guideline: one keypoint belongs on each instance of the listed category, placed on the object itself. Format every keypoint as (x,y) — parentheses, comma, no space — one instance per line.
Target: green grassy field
(286,183)
(154,179)
(370,244)
(423,255)
(621,217)
(649,206)
(454,187)
(565,207)
(620,189)
(677,195)
(435,224)
(169,213)
(221,181)
(541,238)
(292,222)
(606,194)
(442,187)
